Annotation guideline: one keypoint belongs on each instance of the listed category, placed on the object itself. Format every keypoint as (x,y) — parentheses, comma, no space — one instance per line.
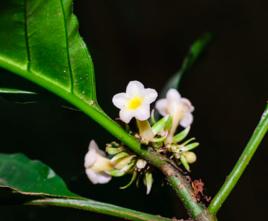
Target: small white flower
(176,106)
(97,165)
(135,102)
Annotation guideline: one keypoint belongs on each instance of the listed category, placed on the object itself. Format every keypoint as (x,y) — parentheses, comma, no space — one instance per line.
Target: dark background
(146,41)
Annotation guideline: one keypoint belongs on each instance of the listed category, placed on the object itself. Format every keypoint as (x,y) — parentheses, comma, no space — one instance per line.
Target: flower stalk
(98,207)
(241,164)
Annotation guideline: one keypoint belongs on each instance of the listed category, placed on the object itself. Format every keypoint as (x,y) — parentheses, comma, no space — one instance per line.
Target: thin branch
(98,207)
(174,177)
(181,185)
(241,164)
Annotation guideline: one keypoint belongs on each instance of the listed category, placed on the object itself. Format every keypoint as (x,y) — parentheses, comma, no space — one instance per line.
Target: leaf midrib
(67,48)
(26,36)
(27,44)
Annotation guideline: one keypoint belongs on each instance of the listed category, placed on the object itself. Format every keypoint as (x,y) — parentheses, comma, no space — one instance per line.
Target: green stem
(176,179)
(241,164)
(98,207)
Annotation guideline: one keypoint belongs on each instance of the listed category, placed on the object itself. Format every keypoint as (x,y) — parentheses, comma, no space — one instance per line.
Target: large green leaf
(30,177)
(39,40)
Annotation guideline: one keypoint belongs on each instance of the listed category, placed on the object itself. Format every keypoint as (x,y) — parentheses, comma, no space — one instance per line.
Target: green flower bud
(190,156)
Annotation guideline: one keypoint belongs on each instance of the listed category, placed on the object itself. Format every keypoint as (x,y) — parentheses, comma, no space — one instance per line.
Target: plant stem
(241,164)
(98,207)
(175,178)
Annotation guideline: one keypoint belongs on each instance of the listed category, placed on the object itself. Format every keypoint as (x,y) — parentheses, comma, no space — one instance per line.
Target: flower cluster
(161,135)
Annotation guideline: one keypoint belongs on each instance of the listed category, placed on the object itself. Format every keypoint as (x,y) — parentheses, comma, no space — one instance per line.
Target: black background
(146,41)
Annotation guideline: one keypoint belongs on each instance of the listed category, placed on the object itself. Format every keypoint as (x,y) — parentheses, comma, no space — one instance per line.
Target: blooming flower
(179,108)
(135,102)
(176,106)
(97,165)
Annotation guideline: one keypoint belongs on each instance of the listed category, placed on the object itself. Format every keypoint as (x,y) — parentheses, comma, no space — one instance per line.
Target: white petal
(173,95)
(150,95)
(143,113)
(98,178)
(187,104)
(120,100)
(126,115)
(93,153)
(161,106)
(187,120)
(134,88)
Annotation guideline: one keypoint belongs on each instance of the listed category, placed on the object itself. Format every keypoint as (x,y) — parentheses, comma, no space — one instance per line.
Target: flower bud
(140,164)
(190,156)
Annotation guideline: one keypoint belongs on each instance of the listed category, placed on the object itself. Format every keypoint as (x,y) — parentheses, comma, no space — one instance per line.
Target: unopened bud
(141,164)
(190,156)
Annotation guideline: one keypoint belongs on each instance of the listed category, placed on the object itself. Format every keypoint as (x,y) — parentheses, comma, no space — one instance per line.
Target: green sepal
(182,135)
(188,141)
(113,150)
(122,171)
(185,163)
(148,182)
(133,178)
(159,139)
(164,123)
(190,146)
(119,156)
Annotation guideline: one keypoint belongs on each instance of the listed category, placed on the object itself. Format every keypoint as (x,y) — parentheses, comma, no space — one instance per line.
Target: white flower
(135,102)
(176,106)
(97,165)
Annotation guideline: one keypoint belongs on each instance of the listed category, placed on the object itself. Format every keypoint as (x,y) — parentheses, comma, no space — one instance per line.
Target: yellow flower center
(135,103)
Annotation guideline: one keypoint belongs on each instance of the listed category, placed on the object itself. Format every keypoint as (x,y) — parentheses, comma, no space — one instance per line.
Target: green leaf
(40,38)
(33,183)
(30,177)
(39,41)
(193,54)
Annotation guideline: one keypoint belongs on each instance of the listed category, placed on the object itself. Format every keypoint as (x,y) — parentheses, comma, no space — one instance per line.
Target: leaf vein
(28,65)
(67,47)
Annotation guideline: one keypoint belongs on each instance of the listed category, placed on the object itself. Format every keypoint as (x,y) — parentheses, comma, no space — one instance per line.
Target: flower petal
(120,100)
(187,103)
(187,120)
(134,88)
(161,105)
(125,115)
(143,113)
(92,155)
(173,95)
(150,95)
(98,178)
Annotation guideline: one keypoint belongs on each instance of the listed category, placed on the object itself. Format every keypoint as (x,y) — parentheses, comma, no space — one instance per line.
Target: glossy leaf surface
(30,177)
(41,40)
